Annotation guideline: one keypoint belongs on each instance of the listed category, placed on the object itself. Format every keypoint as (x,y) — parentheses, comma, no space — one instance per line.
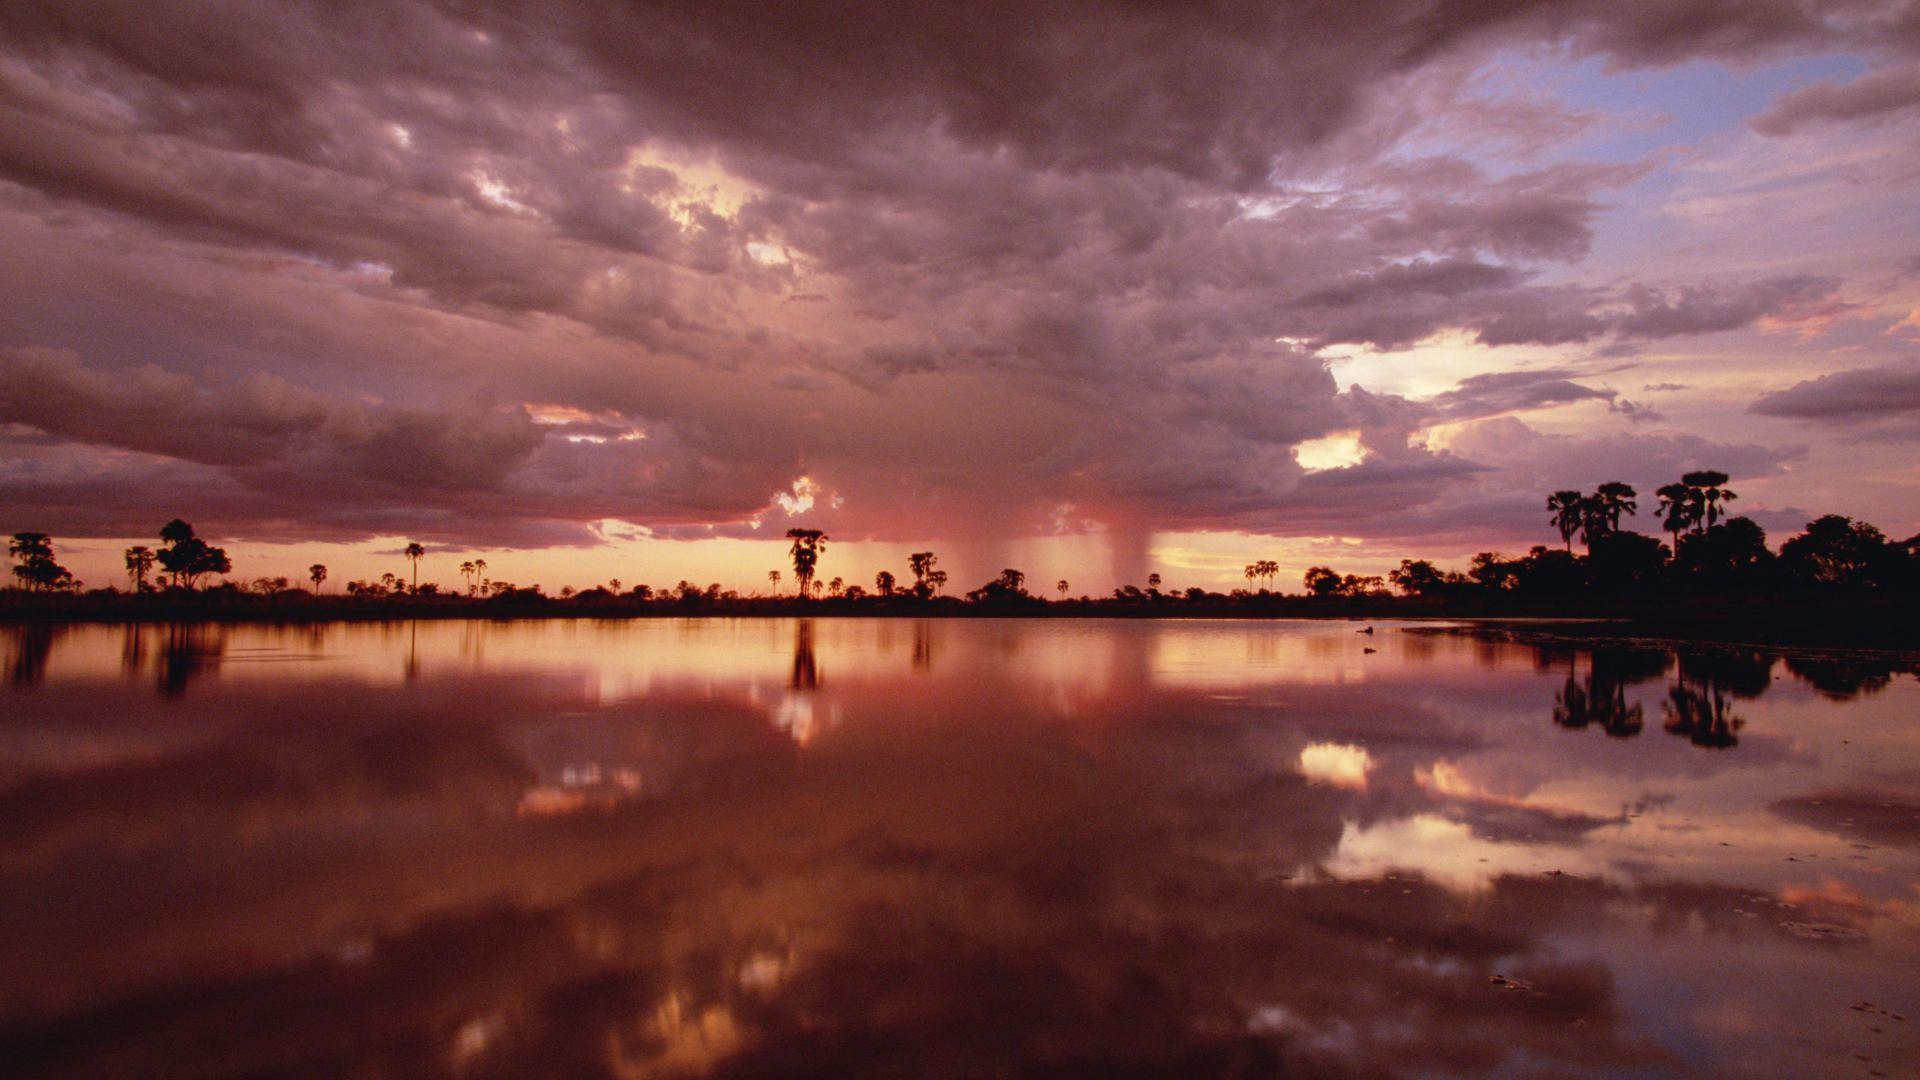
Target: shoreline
(1875,626)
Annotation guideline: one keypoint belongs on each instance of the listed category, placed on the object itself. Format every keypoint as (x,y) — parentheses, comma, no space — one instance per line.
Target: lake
(948,848)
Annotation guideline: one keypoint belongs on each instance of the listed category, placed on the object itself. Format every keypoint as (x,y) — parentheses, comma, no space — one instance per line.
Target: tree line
(1710,552)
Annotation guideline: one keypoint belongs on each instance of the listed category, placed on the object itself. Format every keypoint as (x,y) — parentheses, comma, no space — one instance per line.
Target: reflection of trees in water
(1844,678)
(923,644)
(1699,705)
(27,659)
(1704,717)
(187,651)
(411,667)
(806,669)
(133,649)
(1600,699)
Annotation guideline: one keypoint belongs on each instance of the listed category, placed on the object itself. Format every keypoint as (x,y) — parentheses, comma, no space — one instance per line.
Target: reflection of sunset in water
(756,847)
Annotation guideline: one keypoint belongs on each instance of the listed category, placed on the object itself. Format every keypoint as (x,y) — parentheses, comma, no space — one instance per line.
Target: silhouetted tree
(1600,512)
(1061,587)
(480,571)
(1625,561)
(773,579)
(808,545)
(466,572)
(836,587)
(1322,581)
(1417,577)
(1363,585)
(883,583)
(1837,552)
(936,580)
(1490,571)
(1728,555)
(1679,510)
(1009,586)
(414,553)
(1569,513)
(187,557)
(1709,489)
(922,564)
(139,564)
(35,565)
(1545,572)
(317,573)
(1153,583)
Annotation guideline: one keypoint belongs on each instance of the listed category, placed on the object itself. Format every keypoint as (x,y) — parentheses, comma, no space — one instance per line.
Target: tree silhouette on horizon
(808,546)
(1569,509)
(414,553)
(139,560)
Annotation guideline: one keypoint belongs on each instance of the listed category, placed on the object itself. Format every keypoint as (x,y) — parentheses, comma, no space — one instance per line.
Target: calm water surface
(951,848)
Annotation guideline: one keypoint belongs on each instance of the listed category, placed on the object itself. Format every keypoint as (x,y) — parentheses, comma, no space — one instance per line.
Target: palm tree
(1268,569)
(613,584)
(937,579)
(139,565)
(466,571)
(773,578)
(1569,510)
(1153,582)
(480,571)
(1677,509)
(1252,571)
(414,553)
(1612,499)
(1708,484)
(808,546)
(1601,512)
(1062,586)
(922,564)
(316,574)
(836,587)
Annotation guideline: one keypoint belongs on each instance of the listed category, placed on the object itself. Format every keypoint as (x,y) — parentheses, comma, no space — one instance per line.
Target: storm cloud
(500,272)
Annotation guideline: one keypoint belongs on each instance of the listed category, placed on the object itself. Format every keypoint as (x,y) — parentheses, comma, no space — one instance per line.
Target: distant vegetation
(1712,559)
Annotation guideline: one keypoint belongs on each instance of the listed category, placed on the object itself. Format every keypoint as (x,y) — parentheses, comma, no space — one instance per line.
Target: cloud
(1854,396)
(1877,95)
(964,268)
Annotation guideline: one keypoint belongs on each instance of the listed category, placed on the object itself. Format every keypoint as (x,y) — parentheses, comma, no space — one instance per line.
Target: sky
(600,291)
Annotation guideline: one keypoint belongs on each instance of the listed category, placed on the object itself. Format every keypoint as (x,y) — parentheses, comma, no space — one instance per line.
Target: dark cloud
(1873,96)
(1857,395)
(1479,396)
(1052,255)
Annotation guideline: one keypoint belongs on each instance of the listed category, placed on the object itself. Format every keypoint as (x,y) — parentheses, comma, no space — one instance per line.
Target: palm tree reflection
(806,669)
(1600,699)
(923,645)
(1699,706)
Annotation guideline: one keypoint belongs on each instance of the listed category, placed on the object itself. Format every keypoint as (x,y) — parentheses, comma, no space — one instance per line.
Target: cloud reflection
(531,864)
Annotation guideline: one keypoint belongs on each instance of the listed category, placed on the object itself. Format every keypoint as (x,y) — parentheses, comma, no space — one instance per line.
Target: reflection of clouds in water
(977,870)
(1450,853)
(1340,764)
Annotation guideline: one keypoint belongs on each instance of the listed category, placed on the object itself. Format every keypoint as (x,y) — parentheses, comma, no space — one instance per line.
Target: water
(765,847)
